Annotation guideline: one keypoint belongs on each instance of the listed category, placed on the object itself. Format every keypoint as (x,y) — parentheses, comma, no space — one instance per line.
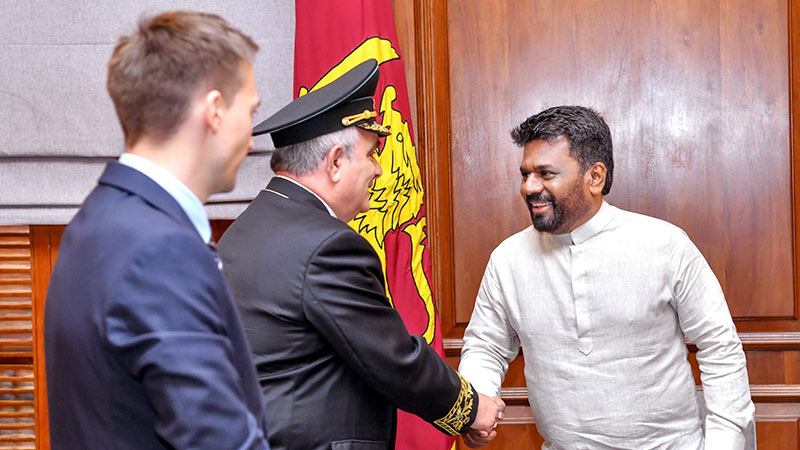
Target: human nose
(378,168)
(531,185)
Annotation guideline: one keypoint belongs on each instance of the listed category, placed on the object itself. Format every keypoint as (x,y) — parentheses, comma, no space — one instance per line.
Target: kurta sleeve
(706,321)
(163,321)
(490,343)
(344,298)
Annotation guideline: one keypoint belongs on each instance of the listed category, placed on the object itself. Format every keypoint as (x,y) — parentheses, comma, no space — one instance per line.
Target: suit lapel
(131,180)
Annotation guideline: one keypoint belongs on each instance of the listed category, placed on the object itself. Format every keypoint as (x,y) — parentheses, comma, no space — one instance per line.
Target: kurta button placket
(583,320)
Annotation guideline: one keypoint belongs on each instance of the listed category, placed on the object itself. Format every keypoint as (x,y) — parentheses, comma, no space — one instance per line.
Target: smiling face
(555,189)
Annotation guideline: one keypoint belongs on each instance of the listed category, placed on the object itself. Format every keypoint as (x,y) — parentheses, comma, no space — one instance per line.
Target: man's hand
(490,410)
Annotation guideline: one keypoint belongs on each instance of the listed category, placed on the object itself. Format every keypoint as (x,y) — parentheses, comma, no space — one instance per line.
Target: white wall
(57,124)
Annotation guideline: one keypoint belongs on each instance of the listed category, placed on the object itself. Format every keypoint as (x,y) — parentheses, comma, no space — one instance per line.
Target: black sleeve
(344,298)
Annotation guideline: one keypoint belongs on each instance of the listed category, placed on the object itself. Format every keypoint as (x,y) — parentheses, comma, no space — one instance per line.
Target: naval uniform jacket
(144,347)
(333,357)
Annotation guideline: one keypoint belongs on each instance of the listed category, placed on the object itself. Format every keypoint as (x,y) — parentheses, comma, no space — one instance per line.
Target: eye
(524,174)
(546,174)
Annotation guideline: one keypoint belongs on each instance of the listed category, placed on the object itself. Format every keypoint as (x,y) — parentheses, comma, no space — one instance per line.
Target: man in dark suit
(144,346)
(333,357)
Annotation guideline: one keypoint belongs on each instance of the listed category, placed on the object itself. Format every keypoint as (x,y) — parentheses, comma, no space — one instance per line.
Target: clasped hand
(490,410)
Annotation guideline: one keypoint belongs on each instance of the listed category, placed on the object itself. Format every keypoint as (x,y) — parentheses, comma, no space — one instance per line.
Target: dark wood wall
(702,99)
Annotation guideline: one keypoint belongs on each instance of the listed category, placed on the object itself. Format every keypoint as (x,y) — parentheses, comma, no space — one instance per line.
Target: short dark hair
(155,72)
(588,135)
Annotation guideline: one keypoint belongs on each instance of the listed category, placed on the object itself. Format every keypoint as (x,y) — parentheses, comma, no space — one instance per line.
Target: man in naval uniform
(333,357)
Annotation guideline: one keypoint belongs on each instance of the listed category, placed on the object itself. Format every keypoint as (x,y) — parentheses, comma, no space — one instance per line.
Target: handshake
(490,410)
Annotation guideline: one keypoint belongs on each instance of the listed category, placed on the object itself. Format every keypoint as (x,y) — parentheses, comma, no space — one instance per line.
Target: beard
(565,212)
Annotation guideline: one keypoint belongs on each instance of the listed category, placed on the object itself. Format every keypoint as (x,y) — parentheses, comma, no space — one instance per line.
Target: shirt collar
(189,202)
(594,225)
(330,210)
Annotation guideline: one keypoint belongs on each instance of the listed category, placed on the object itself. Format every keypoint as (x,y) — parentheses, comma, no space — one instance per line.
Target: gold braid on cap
(376,127)
(460,413)
(349,120)
(369,126)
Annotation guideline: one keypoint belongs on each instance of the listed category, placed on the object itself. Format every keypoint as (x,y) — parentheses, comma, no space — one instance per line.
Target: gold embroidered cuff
(463,411)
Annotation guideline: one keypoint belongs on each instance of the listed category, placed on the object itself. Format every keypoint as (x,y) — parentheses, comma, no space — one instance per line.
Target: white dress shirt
(189,202)
(601,314)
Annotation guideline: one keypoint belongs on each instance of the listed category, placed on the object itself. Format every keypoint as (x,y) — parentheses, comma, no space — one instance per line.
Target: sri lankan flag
(332,37)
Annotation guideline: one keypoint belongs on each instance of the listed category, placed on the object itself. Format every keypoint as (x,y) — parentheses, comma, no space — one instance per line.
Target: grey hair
(304,157)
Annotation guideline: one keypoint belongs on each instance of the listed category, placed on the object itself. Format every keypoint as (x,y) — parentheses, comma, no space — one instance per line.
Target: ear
(212,109)
(333,163)
(597,178)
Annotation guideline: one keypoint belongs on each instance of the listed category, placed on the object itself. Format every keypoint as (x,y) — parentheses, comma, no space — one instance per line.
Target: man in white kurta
(600,303)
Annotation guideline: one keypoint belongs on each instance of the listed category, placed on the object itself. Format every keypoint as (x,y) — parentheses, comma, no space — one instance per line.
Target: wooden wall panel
(483,184)
(777,435)
(756,273)
(45,240)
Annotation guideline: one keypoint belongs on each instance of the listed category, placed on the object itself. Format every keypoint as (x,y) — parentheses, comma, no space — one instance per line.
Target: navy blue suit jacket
(144,347)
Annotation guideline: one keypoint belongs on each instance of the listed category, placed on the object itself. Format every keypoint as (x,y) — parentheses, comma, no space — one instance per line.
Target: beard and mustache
(543,222)
(565,212)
